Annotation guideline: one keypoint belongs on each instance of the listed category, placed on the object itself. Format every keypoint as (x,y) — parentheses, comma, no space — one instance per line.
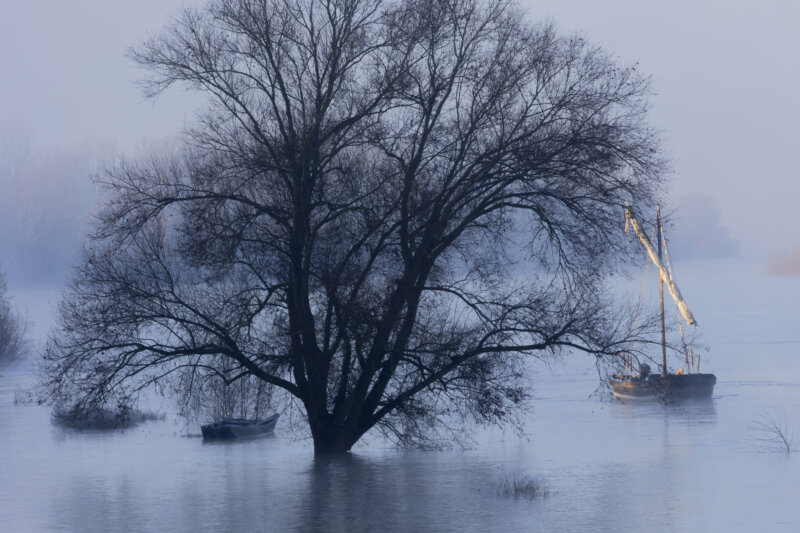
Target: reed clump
(518,485)
(88,418)
(773,434)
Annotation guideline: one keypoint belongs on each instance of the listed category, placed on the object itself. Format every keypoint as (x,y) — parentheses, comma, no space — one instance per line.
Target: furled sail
(671,286)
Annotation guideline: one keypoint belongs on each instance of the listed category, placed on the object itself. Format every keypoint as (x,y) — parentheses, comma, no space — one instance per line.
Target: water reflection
(609,466)
(692,412)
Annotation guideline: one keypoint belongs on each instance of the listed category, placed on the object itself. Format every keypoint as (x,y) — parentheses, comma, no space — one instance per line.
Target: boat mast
(661,295)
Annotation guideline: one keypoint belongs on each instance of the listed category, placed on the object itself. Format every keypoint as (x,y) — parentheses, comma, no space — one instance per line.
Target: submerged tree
(347,221)
(13,344)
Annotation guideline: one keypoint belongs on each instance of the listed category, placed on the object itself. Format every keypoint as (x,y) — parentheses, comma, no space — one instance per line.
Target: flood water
(608,466)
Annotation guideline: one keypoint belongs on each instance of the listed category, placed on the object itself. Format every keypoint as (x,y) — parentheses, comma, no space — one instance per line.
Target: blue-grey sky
(65,77)
(725,74)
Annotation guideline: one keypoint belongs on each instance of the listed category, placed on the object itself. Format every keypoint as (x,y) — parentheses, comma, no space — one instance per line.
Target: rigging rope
(686,348)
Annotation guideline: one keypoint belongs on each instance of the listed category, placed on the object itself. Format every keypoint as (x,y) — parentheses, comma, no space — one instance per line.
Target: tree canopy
(347,220)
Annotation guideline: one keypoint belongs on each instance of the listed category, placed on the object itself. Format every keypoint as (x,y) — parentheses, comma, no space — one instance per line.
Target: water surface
(608,466)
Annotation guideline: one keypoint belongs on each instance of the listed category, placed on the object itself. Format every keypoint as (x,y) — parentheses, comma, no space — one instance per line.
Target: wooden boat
(666,386)
(669,387)
(239,428)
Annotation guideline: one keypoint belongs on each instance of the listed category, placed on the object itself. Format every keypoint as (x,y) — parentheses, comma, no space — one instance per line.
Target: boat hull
(238,428)
(669,387)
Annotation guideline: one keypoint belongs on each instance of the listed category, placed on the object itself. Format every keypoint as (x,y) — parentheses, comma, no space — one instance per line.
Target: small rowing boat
(239,428)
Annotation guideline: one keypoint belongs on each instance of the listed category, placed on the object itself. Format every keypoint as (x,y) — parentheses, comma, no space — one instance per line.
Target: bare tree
(772,433)
(347,220)
(13,343)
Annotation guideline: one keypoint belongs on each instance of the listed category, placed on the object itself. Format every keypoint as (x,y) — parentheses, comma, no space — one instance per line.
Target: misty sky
(725,75)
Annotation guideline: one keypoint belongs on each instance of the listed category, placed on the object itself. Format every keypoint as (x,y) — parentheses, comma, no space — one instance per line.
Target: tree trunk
(330,437)
(333,442)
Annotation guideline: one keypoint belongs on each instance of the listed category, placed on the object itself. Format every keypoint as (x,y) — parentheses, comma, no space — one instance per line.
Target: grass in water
(521,486)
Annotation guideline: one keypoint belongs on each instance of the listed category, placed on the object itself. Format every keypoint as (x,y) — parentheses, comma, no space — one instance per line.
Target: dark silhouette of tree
(347,220)
(13,344)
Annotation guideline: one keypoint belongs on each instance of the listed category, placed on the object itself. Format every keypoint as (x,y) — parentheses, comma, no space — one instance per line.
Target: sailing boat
(644,385)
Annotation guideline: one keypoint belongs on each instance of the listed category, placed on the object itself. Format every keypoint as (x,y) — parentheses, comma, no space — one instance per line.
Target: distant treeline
(698,230)
(785,264)
(46,203)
